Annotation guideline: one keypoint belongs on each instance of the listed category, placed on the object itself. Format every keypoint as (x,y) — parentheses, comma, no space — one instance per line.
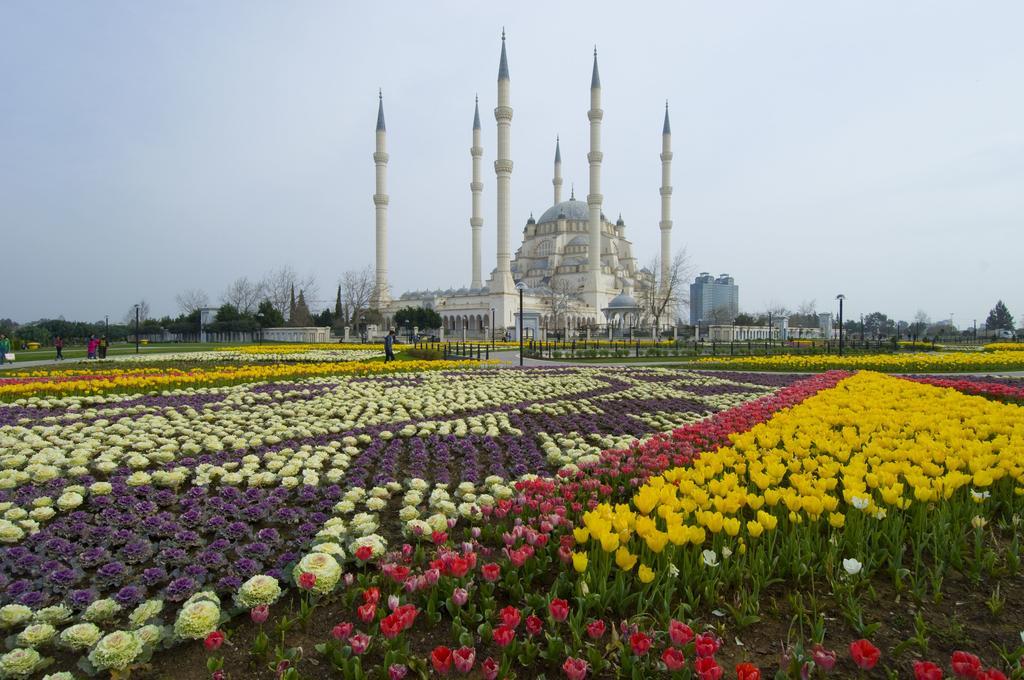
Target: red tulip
(747,671)
(214,640)
(673,659)
(364,552)
(595,629)
(342,631)
(367,613)
(824,659)
(491,572)
(359,642)
(441,658)
(680,633)
(926,670)
(706,644)
(965,665)
(864,654)
(439,537)
(464,659)
(259,613)
(371,595)
(575,669)
(559,609)
(391,626)
(990,674)
(307,580)
(490,669)
(397,671)
(534,624)
(640,643)
(504,635)
(510,616)
(707,668)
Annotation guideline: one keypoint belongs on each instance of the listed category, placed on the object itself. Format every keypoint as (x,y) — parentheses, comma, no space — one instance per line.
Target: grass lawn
(115,349)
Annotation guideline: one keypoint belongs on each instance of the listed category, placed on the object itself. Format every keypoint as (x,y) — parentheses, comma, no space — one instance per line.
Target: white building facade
(572,261)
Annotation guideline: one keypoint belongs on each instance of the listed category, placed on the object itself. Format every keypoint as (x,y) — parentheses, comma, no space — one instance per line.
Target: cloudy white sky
(870,148)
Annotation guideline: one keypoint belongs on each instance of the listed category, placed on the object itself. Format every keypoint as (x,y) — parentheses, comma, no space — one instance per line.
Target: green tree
(228,312)
(268,316)
(324,318)
(879,325)
(744,319)
(417,317)
(999,319)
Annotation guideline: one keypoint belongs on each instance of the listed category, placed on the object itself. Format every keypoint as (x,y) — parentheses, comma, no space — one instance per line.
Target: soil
(961,620)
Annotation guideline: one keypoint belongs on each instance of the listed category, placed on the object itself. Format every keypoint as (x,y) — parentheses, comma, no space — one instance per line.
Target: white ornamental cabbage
(258,590)
(116,651)
(80,636)
(324,567)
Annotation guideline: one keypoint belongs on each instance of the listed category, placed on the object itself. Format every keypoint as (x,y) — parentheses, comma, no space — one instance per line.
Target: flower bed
(390,506)
(85,380)
(131,501)
(958,362)
(1008,389)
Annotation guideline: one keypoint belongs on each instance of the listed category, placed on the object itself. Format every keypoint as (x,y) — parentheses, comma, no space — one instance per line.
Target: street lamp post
(362,332)
(840,297)
(136,329)
(492,327)
(521,287)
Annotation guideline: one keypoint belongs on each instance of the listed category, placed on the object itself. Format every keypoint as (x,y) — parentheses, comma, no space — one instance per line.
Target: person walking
(90,348)
(389,346)
(5,347)
(58,344)
(103,346)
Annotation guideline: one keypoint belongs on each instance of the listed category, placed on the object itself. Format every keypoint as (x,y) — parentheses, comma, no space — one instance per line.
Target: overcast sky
(870,148)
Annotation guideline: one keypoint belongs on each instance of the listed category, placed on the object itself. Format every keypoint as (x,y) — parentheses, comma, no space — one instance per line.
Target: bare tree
(669,296)
(129,317)
(356,290)
(558,299)
(191,300)
(720,315)
(243,294)
(277,286)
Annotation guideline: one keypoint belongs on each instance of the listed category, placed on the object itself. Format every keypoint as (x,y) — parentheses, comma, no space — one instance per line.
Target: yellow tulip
(579,562)
(645,573)
(624,559)
(581,534)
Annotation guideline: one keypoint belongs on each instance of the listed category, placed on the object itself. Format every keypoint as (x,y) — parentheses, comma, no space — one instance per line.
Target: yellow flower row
(892,363)
(144,380)
(1005,347)
(298,348)
(871,444)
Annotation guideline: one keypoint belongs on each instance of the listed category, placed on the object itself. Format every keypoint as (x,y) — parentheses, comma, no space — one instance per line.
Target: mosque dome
(623,301)
(572,209)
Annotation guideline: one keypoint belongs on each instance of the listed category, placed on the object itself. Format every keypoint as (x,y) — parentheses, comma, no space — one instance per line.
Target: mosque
(575,269)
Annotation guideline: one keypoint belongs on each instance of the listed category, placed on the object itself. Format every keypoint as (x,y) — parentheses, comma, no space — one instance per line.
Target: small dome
(622,301)
(531,220)
(570,210)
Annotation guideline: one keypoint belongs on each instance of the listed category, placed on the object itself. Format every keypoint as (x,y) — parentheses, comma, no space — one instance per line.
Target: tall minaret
(666,199)
(381,292)
(557,181)
(594,198)
(476,186)
(501,281)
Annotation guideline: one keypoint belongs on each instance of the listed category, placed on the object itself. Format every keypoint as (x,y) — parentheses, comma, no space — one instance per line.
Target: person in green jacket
(5,347)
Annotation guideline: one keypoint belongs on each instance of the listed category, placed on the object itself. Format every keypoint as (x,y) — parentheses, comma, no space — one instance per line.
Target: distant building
(713,300)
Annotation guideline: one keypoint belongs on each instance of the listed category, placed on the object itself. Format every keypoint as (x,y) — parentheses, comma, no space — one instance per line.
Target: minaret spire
(380,111)
(501,281)
(666,203)
(592,288)
(476,186)
(381,291)
(557,181)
